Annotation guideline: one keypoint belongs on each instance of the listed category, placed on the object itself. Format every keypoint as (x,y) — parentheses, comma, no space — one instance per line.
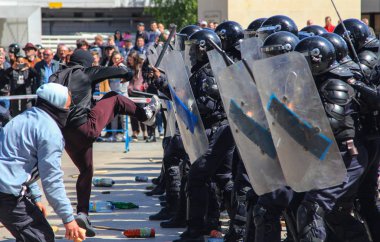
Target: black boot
(169,211)
(164,214)
(174,222)
(158,190)
(191,235)
(162,198)
(235,234)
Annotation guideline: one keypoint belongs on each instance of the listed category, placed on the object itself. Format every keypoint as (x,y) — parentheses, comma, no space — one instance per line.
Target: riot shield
(251,48)
(170,117)
(305,144)
(186,111)
(152,55)
(248,124)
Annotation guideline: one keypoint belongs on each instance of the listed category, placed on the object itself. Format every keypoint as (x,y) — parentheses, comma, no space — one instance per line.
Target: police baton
(347,37)
(149,95)
(166,45)
(226,58)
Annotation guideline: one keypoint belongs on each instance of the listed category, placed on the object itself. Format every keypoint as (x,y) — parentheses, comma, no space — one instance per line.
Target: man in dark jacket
(86,121)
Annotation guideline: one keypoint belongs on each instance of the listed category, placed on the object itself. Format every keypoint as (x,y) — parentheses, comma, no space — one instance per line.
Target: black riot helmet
(184,34)
(314,29)
(275,24)
(230,33)
(319,53)
(189,30)
(341,48)
(253,27)
(368,58)
(199,45)
(279,43)
(358,32)
(14,48)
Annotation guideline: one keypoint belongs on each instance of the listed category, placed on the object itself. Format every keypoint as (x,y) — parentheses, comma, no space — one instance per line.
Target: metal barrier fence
(97,96)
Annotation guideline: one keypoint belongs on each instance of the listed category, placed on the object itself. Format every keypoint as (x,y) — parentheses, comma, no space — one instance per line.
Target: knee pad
(267,226)
(310,222)
(173,180)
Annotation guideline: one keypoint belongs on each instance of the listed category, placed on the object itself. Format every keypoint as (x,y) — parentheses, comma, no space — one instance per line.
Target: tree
(179,12)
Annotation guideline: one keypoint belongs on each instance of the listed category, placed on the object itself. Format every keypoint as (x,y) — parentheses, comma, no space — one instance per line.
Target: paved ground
(110,161)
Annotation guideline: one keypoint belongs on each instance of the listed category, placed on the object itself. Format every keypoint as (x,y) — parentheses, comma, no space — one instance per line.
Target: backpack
(63,76)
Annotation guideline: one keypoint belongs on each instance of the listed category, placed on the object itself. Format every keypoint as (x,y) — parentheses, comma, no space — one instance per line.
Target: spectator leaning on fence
(46,67)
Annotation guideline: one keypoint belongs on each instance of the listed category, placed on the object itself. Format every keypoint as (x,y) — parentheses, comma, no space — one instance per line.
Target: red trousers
(79,140)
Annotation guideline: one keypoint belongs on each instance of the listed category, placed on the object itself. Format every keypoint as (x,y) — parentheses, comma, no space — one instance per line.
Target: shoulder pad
(336,91)
(341,71)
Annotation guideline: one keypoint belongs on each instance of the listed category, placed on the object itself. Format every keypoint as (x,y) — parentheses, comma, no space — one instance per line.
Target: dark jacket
(82,85)
(40,69)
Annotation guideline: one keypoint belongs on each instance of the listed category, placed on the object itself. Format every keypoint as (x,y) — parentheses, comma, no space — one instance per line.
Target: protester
(31,149)
(31,54)
(46,67)
(86,122)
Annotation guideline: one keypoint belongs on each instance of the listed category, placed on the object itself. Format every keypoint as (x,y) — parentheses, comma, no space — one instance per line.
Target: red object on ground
(140,233)
(216,234)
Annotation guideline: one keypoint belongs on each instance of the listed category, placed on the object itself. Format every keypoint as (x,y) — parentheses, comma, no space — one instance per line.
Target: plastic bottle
(215,236)
(124,205)
(140,233)
(101,207)
(141,178)
(102,182)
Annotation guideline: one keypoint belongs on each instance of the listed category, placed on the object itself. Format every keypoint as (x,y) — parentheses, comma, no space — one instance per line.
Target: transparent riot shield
(248,124)
(216,61)
(152,55)
(251,48)
(170,117)
(304,141)
(186,111)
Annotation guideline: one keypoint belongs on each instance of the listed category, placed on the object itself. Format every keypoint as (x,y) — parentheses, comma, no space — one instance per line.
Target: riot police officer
(337,97)
(314,29)
(267,211)
(360,35)
(230,34)
(275,24)
(217,160)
